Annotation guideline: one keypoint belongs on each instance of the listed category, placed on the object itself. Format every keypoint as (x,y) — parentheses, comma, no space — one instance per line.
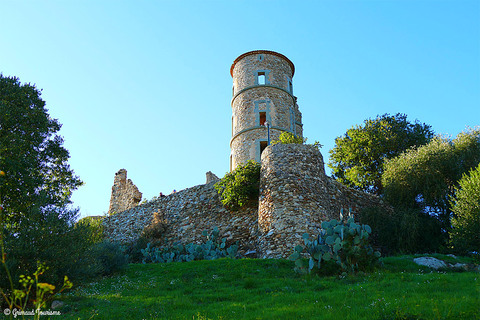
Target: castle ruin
(295,193)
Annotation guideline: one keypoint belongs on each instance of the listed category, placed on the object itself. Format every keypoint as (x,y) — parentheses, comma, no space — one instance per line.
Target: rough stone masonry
(295,197)
(125,194)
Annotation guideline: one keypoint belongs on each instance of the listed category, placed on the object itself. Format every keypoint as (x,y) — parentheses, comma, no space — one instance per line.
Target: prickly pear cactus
(345,243)
(213,247)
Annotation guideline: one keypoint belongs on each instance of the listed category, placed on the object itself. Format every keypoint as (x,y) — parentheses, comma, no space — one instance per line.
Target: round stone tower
(262,93)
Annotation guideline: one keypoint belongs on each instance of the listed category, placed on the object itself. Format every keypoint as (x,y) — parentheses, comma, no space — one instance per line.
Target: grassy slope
(269,289)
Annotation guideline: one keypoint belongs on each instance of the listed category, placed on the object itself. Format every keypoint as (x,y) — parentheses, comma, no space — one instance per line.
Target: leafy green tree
(425,177)
(240,186)
(465,233)
(31,153)
(358,156)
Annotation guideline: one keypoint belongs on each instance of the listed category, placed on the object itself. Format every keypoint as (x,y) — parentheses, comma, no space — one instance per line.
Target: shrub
(93,228)
(134,249)
(48,236)
(465,233)
(345,243)
(106,258)
(288,137)
(156,229)
(240,186)
(404,230)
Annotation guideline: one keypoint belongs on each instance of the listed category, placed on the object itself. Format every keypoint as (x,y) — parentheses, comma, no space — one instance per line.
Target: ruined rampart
(295,197)
(125,194)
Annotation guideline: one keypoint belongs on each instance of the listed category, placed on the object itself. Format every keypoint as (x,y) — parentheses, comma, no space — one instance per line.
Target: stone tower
(262,93)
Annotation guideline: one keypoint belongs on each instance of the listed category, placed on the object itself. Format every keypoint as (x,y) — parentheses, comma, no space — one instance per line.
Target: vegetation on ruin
(288,137)
(358,156)
(269,289)
(240,186)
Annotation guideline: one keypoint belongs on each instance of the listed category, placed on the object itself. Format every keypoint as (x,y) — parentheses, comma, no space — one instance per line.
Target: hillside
(269,289)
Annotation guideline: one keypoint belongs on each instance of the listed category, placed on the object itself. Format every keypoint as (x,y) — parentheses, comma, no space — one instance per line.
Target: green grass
(269,289)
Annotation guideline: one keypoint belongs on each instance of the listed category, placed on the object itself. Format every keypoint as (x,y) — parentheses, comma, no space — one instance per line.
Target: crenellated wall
(295,197)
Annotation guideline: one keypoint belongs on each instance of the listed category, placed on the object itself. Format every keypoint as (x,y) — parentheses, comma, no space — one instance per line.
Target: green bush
(156,229)
(465,233)
(93,227)
(345,243)
(106,258)
(51,237)
(240,186)
(134,249)
(288,137)
(404,230)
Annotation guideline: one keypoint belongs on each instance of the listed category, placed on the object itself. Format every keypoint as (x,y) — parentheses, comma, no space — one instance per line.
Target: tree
(358,156)
(425,177)
(465,233)
(32,155)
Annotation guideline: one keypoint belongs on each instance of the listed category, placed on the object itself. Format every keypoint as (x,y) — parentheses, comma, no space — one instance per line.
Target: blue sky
(145,85)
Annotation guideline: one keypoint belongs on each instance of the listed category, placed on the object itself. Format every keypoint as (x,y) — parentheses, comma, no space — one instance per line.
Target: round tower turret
(262,93)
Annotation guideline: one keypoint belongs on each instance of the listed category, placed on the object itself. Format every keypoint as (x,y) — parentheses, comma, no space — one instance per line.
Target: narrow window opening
(290,86)
(263,118)
(261,78)
(263,145)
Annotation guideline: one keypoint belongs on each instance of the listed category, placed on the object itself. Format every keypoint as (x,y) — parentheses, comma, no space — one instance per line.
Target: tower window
(261,78)
(290,86)
(260,57)
(263,118)
(263,145)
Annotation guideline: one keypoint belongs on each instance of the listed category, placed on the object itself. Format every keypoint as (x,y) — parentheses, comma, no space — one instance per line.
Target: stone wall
(211,177)
(295,197)
(188,213)
(125,194)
